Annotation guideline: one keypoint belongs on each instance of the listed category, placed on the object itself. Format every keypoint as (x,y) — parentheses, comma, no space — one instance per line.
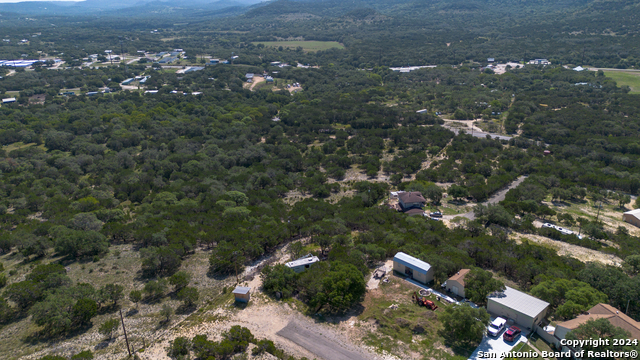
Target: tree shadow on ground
(42,336)
(338,317)
(212,274)
(185,309)
(103,344)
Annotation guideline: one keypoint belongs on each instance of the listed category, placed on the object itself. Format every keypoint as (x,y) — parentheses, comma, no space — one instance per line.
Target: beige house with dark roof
(455,284)
(600,311)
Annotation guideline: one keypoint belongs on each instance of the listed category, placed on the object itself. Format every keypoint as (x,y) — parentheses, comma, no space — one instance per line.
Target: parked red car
(512,333)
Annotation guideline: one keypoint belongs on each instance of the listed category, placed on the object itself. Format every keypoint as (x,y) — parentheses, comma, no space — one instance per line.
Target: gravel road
(320,343)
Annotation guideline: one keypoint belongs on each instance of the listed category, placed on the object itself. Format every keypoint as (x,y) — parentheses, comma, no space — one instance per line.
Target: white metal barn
(524,309)
(413,268)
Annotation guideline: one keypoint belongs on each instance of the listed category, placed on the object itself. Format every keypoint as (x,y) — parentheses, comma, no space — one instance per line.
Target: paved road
(609,69)
(496,198)
(318,344)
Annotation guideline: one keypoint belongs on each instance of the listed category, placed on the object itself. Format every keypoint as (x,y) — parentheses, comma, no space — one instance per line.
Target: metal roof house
(413,268)
(242,294)
(524,309)
(302,263)
(632,217)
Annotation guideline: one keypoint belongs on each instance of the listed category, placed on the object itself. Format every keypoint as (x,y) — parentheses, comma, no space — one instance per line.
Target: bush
(108,327)
(83,355)
(179,348)
(189,296)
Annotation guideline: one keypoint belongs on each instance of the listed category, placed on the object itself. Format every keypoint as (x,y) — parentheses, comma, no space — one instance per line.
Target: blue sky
(15,1)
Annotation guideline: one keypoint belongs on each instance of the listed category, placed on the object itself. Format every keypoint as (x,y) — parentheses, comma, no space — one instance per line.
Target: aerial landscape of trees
(210,171)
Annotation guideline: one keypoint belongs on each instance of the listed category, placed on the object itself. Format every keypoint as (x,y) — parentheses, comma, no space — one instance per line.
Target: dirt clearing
(574,251)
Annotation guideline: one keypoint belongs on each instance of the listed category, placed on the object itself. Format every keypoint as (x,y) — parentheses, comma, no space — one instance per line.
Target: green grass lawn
(524,348)
(630,79)
(306,45)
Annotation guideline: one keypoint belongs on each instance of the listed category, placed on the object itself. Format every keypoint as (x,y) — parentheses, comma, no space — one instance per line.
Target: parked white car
(496,326)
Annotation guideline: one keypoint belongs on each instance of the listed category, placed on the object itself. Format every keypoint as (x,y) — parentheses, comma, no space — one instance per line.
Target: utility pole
(125,333)
(598,215)
(627,307)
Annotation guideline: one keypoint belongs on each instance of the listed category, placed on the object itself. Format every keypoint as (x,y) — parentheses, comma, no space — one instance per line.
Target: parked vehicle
(496,326)
(436,214)
(423,301)
(548,225)
(512,333)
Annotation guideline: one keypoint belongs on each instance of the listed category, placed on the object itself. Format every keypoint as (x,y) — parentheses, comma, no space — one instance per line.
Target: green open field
(629,78)
(306,45)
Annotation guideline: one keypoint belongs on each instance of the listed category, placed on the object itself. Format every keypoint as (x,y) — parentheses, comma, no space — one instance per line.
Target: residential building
(8,100)
(242,294)
(411,200)
(632,217)
(302,263)
(413,268)
(524,309)
(455,284)
(248,75)
(540,62)
(600,311)
(214,61)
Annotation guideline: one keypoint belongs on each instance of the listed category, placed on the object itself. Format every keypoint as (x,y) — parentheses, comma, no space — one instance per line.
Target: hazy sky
(15,1)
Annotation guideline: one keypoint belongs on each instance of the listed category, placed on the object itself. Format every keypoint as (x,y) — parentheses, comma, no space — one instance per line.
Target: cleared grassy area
(628,78)
(524,348)
(306,45)
(409,327)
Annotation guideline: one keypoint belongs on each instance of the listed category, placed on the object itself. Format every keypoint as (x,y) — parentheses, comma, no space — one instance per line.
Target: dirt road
(496,198)
(317,342)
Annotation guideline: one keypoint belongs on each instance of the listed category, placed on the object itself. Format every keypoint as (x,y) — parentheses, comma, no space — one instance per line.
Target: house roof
(635,213)
(617,318)
(307,260)
(581,319)
(459,277)
(242,290)
(411,197)
(408,260)
(519,301)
